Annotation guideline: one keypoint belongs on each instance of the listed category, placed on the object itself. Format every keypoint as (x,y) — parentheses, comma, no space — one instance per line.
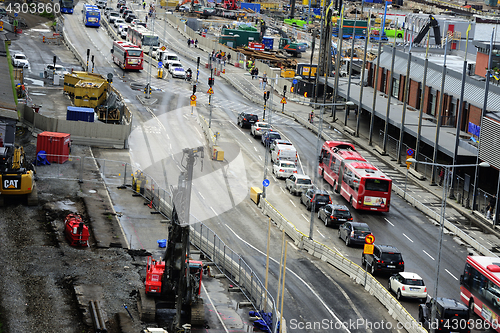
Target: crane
(435,26)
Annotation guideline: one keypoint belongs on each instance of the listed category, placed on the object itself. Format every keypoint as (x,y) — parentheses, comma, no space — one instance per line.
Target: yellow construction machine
(17,176)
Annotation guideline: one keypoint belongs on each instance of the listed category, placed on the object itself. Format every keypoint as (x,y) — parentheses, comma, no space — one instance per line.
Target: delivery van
(284,153)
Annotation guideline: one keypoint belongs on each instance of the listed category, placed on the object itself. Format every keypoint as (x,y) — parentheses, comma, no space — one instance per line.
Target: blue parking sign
(294,81)
(160,64)
(265,183)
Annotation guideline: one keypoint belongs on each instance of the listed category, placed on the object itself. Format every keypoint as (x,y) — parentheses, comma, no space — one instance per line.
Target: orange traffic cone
(151,204)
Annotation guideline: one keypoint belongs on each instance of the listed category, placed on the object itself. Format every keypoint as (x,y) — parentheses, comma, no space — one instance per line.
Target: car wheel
(423,300)
(389,286)
(348,241)
(398,295)
(471,307)
(420,317)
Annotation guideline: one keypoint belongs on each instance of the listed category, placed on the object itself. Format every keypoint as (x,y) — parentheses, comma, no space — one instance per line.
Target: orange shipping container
(56,146)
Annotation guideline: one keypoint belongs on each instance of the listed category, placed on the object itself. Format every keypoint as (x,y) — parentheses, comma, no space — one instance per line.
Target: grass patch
(11,72)
(50,16)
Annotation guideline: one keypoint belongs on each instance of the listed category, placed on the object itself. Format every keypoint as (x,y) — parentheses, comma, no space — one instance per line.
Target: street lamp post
(442,212)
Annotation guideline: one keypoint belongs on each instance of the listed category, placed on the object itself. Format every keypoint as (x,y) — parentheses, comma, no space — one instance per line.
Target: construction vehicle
(17,176)
(230,5)
(435,26)
(294,49)
(175,281)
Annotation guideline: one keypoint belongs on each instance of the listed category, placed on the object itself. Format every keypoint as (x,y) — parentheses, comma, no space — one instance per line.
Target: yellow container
(218,154)
(70,80)
(255,193)
(288,73)
(90,94)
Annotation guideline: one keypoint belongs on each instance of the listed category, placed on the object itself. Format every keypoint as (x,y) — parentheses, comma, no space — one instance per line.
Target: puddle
(66,205)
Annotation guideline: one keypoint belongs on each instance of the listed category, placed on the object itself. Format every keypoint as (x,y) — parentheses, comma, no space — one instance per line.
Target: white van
(284,153)
(167,57)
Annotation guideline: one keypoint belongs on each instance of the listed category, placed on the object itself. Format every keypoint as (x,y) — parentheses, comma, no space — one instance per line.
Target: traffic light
(266,95)
(147,89)
(211,81)
(194,89)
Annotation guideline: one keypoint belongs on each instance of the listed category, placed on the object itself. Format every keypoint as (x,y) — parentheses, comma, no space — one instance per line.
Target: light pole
(441,222)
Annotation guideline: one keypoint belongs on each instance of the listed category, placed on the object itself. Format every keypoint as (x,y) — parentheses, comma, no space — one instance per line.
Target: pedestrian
(189,42)
(264,81)
(489,208)
(229,58)
(441,177)
(144,5)
(256,72)
(252,72)
(311,116)
(146,19)
(224,60)
(196,43)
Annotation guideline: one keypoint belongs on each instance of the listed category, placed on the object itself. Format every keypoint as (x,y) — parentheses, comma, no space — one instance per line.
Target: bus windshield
(67,3)
(379,185)
(150,40)
(134,53)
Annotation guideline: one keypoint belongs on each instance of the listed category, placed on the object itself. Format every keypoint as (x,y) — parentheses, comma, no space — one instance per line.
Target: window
(134,53)
(432,103)
(395,88)
(376,185)
(335,165)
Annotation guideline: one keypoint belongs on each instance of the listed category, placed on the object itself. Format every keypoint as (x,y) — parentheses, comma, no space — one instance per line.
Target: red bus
(480,289)
(127,55)
(359,182)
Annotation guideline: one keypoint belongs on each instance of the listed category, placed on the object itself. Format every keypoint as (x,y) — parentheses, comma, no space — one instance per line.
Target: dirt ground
(40,271)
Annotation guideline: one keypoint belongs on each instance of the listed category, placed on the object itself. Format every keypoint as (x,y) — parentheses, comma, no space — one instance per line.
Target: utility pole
(210,84)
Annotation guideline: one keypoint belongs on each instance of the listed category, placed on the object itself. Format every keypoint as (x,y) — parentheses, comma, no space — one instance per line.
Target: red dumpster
(56,145)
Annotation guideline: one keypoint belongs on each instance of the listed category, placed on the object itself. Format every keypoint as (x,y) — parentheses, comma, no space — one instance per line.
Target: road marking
(388,221)
(274,178)
(201,195)
(305,217)
(429,255)
(407,237)
(481,237)
(321,234)
(213,210)
(255,148)
(260,157)
(447,271)
(281,188)
(168,137)
(249,140)
(292,203)
(298,278)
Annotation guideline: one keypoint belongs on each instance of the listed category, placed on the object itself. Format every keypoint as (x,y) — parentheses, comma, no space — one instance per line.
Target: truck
(294,49)
(284,153)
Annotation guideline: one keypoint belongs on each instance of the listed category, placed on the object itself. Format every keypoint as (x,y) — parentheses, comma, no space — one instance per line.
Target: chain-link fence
(116,173)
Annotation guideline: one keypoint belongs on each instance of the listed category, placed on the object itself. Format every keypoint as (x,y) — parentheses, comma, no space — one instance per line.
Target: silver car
(296,184)
(259,128)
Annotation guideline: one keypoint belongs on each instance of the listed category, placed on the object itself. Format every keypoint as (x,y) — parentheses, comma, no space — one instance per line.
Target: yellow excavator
(17,176)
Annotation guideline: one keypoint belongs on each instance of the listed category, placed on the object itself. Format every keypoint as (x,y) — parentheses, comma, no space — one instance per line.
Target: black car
(130,17)
(120,3)
(451,315)
(122,9)
(320,198)
(125,13)
(354,233)
(247,119)
(334,215)
(269,137)
(385,258)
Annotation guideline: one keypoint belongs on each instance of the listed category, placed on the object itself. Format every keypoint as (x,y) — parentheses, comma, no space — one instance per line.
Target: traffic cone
(151,204)
(224,71)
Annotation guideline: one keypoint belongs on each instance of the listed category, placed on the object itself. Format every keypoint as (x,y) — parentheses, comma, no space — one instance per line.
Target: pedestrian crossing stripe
(283,100)
(210,91)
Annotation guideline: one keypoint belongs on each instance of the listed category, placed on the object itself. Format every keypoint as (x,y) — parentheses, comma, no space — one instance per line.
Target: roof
(485,262)
(302,176)
(450,303)
(339,144)
(409,275)
(367,170)
(388,248)
(350,155)
(474,89)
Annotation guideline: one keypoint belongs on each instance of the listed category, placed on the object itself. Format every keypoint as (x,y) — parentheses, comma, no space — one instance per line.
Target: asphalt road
(220,190)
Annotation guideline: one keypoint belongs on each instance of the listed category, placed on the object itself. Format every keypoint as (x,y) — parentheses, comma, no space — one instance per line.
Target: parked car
(246,119)
(20,60)
(385,258)
(113,16)
(176,70)
(118,22)
(320,198)
(259,128)
(48,72)
(406,284)
(284,153)
(268,138)
(354,233)
(130,17)
(451,315)
(279,142)
(284,169)
(334,215)
(298,184)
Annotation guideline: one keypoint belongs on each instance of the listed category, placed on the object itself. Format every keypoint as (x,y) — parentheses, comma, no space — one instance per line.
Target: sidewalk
(471,222)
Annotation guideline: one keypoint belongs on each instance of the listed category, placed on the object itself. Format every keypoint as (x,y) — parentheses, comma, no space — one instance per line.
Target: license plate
(361,237)
(414,289)
(391,266)
(343,220)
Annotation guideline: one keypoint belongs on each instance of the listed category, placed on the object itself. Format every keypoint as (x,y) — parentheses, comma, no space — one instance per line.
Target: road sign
(193,98)
(210,91)
(291,89)
(305,94)
(368,249)
(408,164)
(1,25)
(193,103)
(283,100)
(295,81)
(160,64)
(410,152)
(370,239)
(163,48)
(15,14)
(265,183)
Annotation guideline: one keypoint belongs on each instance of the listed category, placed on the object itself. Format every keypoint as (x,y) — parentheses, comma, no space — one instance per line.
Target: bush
(50,16)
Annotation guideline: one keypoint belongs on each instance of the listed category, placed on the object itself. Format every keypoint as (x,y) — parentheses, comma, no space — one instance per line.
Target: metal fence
(117,173)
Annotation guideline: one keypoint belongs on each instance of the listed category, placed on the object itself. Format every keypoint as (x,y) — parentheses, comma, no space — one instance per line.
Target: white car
(113,16)
(406,284)
(118,22)
(20,60)
(123,30)
(284,169)
(259,128)
(184,8)
(176,70)
(48,72)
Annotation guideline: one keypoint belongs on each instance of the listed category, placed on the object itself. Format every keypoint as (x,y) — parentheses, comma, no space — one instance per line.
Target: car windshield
(361,228)
(274,135)
(379,185)
(261,125)
(287,165)
(113,14)
(304,181)
(20,56)
(343,213)
(414,282)
(322,197)
(391,256)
